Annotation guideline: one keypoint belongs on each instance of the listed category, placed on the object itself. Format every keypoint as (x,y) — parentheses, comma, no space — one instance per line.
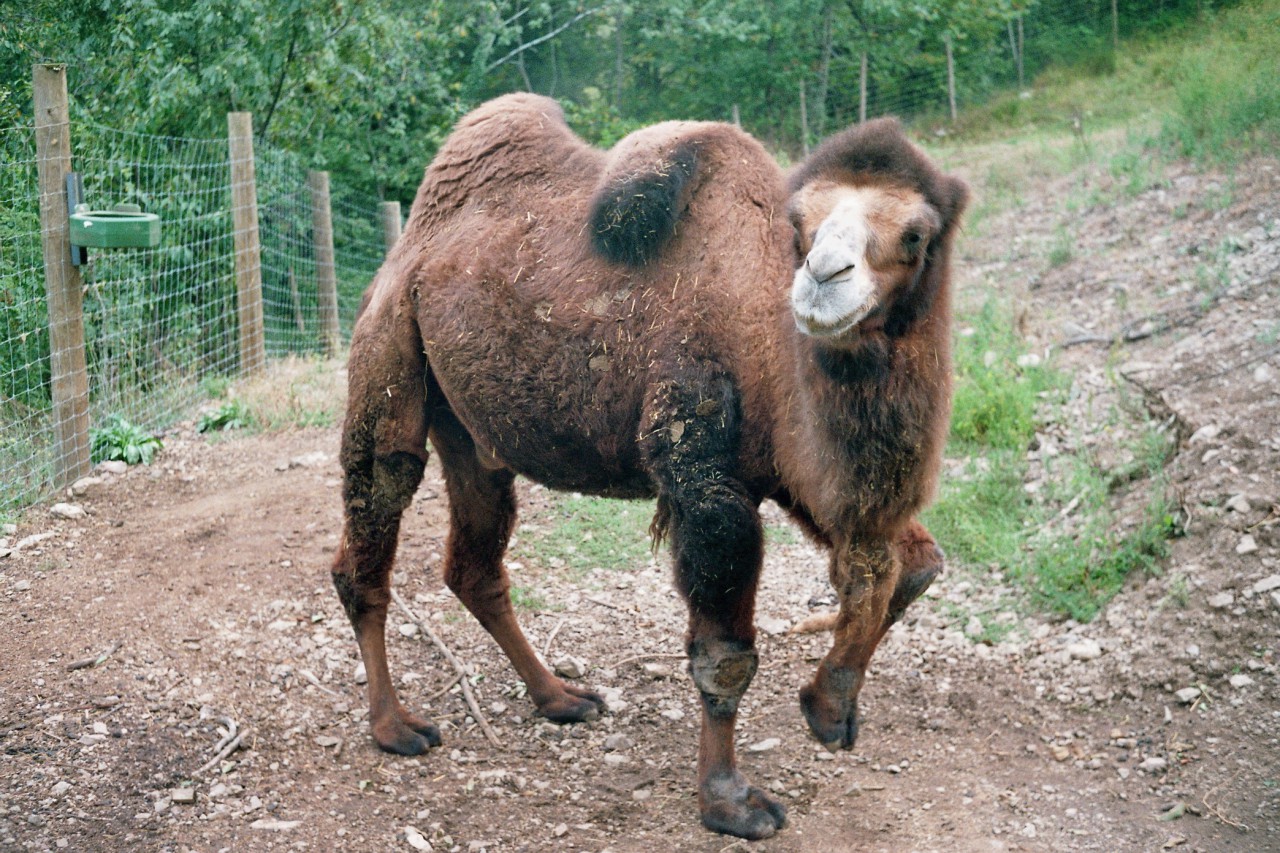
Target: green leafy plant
(121,440)
(232,414)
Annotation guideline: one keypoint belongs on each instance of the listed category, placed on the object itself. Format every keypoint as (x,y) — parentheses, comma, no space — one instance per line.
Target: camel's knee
(722,671)
(717,541)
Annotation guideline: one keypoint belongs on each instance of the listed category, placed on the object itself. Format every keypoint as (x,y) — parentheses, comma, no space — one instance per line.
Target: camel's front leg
(875,582)
(717,544)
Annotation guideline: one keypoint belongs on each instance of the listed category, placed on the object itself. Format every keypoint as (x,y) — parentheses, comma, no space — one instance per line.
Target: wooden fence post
(70,378)
(244,220)
(951,79)
(390,224)
(326,275)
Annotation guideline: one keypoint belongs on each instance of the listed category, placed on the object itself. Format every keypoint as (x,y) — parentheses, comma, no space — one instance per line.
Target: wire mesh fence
(25,466)
(162,324)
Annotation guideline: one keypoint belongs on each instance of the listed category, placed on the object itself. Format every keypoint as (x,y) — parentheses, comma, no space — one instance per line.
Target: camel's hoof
(732,807)
(572,705)
(833,720)
(411,736)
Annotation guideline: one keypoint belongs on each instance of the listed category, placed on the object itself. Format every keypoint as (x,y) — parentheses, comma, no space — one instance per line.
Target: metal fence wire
(161,325)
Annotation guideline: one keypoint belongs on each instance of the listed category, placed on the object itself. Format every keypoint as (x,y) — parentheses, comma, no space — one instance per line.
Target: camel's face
(860,245)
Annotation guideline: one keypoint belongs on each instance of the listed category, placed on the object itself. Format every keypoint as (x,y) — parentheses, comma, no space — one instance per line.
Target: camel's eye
(911,243)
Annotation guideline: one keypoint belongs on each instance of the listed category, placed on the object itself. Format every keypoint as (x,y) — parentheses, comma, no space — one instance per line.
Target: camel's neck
(871,420)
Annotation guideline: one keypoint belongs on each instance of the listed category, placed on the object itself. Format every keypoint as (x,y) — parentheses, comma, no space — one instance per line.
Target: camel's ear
(953,201)
(635,213)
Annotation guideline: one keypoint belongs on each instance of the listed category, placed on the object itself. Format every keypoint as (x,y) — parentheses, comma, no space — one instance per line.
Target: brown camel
(670,319)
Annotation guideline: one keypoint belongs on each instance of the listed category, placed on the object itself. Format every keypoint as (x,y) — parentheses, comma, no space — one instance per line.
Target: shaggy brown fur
(617,323)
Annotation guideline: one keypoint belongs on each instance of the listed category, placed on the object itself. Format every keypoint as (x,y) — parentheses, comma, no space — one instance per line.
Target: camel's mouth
(831,308)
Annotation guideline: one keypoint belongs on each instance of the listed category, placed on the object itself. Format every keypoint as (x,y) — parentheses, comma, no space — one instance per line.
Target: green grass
(995,399)
(583,533)
(232,414)
(1066,548)
(1226,92)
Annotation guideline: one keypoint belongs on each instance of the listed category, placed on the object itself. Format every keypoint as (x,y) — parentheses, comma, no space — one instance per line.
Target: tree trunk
(804,123)
(951,78)
(862,90)
(824,70)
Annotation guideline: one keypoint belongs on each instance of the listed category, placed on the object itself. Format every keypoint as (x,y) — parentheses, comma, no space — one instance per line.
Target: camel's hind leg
(482,512)
(383,457)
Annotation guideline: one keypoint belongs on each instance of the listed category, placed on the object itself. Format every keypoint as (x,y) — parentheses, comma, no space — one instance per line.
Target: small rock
(113,466)
(1029,360)
(1060,753)
(570,667)
(615,759)
(1247,545)
(560,830)
(656,670)
(673,714)
(85,484)
(1153,765)
(22,585)
(1187,695)
(309,460)
(617,743)
(498,708)
(416,839)
(1240,504)
(1085,650)
(61,788)
(68,511)
(765,745)
(8,529)
(973,628)
(183,796)
(1262,374)
(1222,600)
(1208,432)
(772,625)
(273,825)
(34,539)
(328,740)
(361,676)
(4,552)
(408,629)
(641,794)
(1275,599)
(1240,680)
(36,820)
(1267,584)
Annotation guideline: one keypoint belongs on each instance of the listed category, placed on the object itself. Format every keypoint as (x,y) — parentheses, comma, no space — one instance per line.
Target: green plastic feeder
(124,226)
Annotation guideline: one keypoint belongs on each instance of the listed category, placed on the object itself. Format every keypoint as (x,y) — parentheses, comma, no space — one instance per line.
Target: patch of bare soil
(204,580)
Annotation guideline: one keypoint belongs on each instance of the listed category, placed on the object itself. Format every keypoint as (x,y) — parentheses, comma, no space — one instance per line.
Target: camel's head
(859,248)
(873,220)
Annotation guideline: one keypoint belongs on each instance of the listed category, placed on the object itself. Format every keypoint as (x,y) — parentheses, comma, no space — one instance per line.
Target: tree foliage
(368,88)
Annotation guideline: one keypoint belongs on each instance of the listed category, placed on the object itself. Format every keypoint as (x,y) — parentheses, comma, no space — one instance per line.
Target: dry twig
(546,649)
(647,656)
(309,676)
(457,665)
(229,744)
(1213,810)
(85,663)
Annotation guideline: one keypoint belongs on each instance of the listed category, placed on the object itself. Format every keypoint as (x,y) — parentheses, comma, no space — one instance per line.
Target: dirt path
(210,570)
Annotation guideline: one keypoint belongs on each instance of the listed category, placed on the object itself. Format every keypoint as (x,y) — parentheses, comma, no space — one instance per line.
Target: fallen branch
(85,663)
(467,694)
